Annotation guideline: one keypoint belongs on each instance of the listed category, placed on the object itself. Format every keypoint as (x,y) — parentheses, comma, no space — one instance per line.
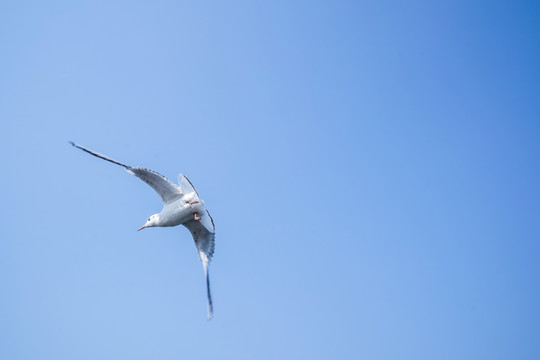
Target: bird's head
(152,221)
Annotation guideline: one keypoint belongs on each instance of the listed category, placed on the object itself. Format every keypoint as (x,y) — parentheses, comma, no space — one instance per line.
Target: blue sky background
(372,168)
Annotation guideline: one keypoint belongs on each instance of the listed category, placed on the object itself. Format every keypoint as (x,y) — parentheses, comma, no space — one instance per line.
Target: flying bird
(181,205)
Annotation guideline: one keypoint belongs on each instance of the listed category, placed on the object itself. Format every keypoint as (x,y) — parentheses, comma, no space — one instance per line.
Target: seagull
(181,205)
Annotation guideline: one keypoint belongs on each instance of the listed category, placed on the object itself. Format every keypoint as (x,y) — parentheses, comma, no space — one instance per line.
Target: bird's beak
(142,227)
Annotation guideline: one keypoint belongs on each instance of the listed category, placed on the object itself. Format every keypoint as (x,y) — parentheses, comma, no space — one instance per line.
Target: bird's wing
(165,188)
(204,241)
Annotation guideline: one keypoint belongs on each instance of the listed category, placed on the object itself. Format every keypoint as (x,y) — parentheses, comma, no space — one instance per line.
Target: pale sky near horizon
(371,167)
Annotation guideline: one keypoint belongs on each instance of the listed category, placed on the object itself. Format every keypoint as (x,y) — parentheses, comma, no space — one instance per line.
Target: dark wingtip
(72,143)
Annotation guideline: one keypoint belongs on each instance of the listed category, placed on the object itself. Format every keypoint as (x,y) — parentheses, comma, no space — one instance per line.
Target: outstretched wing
(204,241)
(165,188)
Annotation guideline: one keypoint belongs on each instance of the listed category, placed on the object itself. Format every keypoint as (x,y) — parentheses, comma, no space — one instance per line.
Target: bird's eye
(148,219)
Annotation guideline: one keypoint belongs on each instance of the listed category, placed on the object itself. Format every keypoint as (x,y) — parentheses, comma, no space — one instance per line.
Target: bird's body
(176,213)
(181,206)
(179,212)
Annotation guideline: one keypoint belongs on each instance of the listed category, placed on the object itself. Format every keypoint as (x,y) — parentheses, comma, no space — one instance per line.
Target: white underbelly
(179,212)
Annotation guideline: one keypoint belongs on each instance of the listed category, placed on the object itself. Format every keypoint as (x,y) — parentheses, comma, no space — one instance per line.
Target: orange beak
(142,227)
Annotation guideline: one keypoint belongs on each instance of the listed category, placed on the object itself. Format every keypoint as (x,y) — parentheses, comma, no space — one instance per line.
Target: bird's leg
(196,217)
(192,202)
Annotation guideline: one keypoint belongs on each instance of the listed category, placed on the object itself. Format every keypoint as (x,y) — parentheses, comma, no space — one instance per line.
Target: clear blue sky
(372,168)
